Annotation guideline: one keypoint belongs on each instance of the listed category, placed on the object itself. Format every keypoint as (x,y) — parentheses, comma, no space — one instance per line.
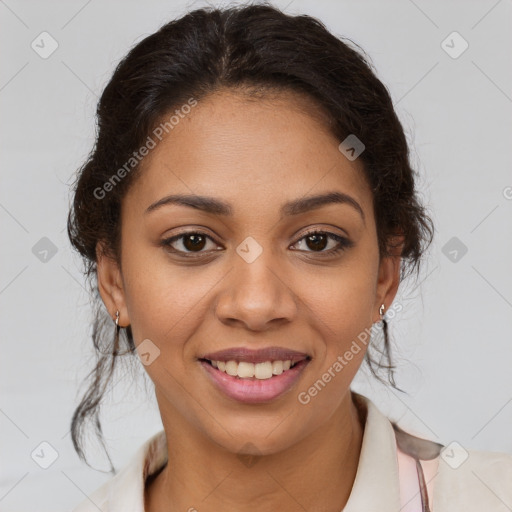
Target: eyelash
(343,243)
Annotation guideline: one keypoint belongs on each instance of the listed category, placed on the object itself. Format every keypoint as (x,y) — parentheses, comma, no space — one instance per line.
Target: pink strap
(410,493)
(410,497)
(430,469)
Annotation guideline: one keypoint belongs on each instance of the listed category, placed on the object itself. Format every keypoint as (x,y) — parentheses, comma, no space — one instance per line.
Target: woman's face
(250,278)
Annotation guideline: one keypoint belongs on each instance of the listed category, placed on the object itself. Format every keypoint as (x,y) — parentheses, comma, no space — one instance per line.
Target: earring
(381,310)
(117,322)
(116,338)
(115,351)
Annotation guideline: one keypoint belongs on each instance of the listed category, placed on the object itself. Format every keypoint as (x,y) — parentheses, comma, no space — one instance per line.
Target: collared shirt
(387,477)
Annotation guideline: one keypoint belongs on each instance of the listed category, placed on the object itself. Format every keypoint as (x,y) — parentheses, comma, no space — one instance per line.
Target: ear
(389,276)
(110,285)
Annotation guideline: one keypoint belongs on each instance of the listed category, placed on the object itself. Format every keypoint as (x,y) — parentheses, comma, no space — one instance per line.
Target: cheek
(342,318)
(341,300)
(165,302)
(353,312)
(340,307)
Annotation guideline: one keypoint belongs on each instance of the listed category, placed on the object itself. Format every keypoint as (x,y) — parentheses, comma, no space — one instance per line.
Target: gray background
(452,340)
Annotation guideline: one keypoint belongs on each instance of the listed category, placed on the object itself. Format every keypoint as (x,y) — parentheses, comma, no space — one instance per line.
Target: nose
(258,295)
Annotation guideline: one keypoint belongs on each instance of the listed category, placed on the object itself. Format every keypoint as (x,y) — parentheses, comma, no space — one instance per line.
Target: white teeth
(232,368)
(246,370)
(277,367)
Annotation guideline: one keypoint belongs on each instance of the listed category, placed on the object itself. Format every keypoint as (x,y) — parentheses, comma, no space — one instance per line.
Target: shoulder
(458,478)
(473,479)
(124,492)
(98,500)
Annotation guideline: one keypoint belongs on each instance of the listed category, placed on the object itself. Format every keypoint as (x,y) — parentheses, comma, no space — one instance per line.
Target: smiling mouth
(252,383)
(254,371)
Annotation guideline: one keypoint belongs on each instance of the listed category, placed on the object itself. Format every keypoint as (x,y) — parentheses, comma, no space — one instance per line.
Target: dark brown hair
(253,47)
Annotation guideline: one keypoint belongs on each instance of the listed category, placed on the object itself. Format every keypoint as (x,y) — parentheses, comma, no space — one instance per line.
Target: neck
(315,474)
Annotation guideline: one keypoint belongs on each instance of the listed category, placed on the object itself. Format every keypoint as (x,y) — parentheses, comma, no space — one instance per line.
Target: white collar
(376,486)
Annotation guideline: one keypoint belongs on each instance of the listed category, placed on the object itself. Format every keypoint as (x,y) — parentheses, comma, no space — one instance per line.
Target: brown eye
(317,241)
(194,242)
(191,242)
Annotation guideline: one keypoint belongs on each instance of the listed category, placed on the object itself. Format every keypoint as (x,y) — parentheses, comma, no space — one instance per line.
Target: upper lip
(256,356)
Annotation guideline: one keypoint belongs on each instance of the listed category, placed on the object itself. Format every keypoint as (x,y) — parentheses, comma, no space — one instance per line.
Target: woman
(247,215)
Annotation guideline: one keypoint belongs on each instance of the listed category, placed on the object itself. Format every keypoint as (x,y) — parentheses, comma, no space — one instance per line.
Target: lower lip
(254,390)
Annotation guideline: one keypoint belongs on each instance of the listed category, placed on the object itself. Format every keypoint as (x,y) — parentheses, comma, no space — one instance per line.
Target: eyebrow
(295,207)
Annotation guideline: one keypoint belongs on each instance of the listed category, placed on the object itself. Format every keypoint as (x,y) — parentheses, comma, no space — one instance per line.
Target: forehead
(249,151)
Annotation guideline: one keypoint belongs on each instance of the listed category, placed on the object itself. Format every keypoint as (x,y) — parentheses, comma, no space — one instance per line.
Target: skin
(274,150)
